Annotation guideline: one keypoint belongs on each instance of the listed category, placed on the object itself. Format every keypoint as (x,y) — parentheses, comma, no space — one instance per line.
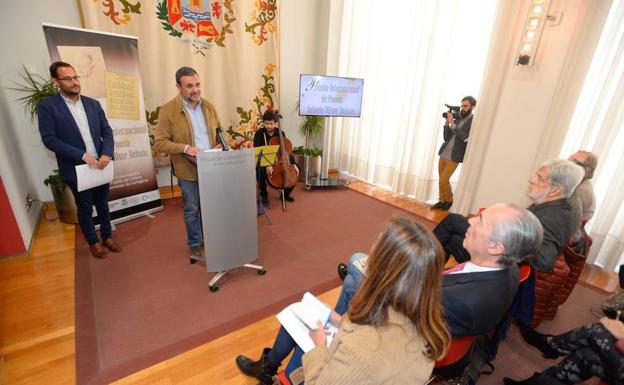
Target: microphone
(221,140)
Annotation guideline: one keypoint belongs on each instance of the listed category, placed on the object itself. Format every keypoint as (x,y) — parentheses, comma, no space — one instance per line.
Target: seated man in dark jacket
(549,190)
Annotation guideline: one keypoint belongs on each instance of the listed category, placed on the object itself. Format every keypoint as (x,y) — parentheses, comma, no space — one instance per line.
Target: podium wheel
(214,288)
(261,272)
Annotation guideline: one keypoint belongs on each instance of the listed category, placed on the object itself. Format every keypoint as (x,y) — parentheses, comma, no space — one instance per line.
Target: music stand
(266,157)
(261,159)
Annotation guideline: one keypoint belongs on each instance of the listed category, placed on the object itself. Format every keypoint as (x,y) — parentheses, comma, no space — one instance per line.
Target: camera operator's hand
(449,119)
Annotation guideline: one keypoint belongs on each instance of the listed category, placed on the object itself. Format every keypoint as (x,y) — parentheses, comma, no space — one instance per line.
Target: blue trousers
(192,211)
(85,200)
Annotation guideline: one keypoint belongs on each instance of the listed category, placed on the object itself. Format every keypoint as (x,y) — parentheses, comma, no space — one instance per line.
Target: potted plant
(35,89)
(63,198)
(309,161)
(309,156)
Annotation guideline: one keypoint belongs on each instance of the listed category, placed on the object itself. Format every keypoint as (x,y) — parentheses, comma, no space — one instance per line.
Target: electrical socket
(29,201)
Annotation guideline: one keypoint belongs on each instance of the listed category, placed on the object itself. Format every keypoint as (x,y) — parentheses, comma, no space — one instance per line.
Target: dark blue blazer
(60,133)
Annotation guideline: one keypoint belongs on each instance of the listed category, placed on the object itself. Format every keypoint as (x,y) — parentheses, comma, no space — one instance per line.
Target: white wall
(24,162)
(303,49)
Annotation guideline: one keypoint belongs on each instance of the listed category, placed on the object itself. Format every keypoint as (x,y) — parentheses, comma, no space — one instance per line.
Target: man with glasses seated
(75,128)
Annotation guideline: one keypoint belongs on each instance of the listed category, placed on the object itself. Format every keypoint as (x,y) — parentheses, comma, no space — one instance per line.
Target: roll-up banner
(108,66)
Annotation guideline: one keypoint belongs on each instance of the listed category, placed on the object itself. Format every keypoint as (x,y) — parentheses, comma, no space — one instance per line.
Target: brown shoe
(112,245)
(97,250)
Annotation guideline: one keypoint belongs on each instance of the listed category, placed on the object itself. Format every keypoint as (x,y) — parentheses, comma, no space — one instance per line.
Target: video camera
(454,110)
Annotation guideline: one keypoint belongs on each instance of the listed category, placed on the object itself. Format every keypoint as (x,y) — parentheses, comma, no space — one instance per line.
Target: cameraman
(456,131)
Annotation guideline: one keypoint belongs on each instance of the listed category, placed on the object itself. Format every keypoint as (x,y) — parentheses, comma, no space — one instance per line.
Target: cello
(283,174)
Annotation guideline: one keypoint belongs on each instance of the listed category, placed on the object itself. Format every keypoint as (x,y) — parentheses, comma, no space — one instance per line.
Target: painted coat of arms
(202,23)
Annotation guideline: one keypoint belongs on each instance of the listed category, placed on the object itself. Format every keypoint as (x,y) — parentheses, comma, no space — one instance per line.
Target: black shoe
(437,205)
(446,205)
(538,340)
(251,368)
(343,270)
(289,198)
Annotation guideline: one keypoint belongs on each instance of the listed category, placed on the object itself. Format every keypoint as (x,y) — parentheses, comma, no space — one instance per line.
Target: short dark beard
(464,114)
(70,93)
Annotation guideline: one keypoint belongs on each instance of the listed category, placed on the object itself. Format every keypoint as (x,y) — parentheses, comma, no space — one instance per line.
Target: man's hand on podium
(192,151)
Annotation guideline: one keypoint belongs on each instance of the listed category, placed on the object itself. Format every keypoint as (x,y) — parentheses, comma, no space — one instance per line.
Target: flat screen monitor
(330,95)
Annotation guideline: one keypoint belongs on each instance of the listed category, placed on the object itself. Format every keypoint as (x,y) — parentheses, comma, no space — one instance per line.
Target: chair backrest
(283,378)
(458,349)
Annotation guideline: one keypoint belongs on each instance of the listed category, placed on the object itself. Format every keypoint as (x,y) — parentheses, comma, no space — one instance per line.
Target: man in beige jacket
(186,125)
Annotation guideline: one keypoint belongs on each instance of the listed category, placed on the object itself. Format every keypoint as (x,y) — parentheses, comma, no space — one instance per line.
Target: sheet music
(88,177)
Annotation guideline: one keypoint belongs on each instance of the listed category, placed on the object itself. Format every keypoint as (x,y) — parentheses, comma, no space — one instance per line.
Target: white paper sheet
(298,329)
(88,177)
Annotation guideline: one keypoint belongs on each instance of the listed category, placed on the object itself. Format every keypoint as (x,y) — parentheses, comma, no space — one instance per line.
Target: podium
(227,190)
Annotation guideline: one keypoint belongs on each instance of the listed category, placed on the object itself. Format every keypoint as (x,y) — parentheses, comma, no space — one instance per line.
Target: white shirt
(470,267)
(80,117)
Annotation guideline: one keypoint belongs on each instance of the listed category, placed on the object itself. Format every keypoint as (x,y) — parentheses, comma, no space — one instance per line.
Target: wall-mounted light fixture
(537,15)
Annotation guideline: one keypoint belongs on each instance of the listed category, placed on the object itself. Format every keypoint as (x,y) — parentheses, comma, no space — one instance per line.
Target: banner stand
(108,66)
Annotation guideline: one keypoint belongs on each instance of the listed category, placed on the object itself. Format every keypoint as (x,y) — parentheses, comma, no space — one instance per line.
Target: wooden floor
(37,315)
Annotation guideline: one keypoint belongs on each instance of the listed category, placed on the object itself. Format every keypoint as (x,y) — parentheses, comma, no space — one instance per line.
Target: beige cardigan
(363,354)
(173,132)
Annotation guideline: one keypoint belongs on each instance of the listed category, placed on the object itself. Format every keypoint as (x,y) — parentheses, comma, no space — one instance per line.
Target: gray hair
(521,234)
(564,174)
(184,71)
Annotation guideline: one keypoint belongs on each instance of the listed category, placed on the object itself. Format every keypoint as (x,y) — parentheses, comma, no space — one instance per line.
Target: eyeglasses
(541,178)
(70,78)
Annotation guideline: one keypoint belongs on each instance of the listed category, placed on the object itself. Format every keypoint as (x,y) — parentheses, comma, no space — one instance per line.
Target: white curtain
(414,56)
(598,125)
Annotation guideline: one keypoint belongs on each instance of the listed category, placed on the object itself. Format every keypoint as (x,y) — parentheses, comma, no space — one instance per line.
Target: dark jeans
(261,176)
(591,352)
(451,232)
(192,211)
(85,200)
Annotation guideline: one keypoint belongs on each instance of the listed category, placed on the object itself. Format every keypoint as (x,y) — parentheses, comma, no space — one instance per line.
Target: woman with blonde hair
(395,328)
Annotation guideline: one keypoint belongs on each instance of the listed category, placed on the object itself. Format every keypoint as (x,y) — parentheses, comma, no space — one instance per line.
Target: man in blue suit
(75,128)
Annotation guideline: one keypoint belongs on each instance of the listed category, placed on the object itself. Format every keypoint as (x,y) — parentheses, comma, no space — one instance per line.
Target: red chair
(458,349)
(283,378)
(525,272)
(547,285)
